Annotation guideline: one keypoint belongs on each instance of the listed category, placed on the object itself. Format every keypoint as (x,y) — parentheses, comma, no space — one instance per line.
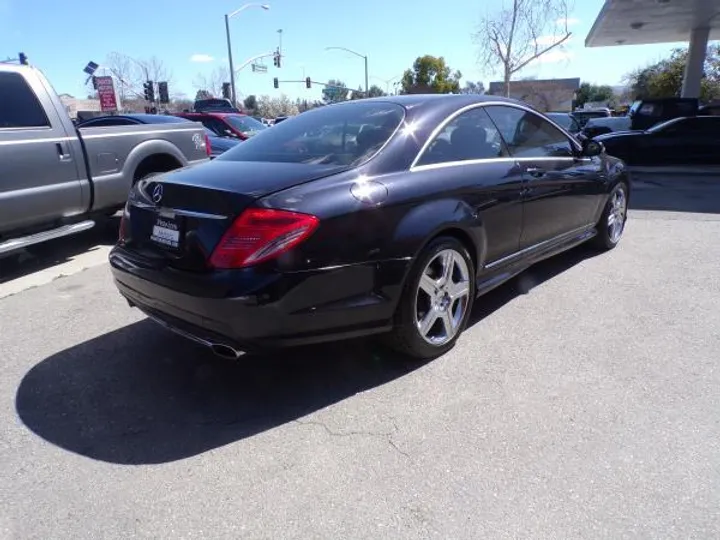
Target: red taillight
(208,147)
(260,234)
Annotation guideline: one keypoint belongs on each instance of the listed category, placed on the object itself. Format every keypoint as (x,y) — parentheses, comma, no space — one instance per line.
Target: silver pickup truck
(56,180)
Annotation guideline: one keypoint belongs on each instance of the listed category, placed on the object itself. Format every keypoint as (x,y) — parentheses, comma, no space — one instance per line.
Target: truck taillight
(260,234)
(208,147)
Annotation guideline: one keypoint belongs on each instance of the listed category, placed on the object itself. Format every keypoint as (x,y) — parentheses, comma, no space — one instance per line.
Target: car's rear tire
(436,301)
(611,226)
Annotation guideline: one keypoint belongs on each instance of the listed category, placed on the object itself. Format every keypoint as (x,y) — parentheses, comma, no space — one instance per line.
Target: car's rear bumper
(289,309)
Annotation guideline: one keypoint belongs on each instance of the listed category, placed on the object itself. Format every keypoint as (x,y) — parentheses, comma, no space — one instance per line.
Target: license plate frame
(167,231)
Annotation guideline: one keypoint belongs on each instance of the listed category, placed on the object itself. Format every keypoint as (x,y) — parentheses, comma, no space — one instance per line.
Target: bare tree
(123,68)
(522,32)
(213,81)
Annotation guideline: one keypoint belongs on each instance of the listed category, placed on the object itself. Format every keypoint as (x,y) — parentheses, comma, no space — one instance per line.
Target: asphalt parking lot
(583,402)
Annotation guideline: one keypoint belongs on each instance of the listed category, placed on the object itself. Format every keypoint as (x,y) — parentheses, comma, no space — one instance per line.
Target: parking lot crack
(382,435)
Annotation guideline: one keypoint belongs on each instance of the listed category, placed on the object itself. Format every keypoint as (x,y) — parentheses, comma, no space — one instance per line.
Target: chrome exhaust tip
(225,351)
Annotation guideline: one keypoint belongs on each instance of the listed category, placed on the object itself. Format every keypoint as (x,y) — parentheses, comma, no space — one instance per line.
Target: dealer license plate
(166,232)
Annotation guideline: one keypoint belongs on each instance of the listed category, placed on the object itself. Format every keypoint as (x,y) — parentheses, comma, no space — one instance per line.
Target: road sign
(91,68)
(259,68)
(106,93)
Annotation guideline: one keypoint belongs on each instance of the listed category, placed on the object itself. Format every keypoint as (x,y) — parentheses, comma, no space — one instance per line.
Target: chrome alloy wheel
(617,215)
(443,297)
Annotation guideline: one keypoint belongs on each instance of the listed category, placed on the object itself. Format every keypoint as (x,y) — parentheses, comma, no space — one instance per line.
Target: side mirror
(592,148)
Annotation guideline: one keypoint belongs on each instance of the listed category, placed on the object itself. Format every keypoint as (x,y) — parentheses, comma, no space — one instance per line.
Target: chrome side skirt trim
(569,235)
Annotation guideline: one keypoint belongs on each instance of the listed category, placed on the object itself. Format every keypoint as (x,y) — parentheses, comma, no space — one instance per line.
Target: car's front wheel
(436,302)
(611,226)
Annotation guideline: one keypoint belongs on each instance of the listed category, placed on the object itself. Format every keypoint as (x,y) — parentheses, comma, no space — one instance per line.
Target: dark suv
(235,125)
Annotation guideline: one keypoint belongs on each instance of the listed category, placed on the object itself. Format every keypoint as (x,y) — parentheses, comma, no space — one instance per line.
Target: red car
(236,125)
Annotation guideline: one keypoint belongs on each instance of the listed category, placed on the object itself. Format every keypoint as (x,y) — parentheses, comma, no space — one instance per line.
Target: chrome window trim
(432,166)
(438,129)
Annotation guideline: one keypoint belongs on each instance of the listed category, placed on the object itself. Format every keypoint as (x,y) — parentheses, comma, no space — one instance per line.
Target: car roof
(213,113)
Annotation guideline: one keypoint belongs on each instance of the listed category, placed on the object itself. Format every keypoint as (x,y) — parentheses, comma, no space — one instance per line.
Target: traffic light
(163,91)
(276,83)
(308,82)
(276,59)
(149,88)
(226,90)
(23,58)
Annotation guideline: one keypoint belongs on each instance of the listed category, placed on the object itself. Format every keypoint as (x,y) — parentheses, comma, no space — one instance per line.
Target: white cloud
(555,56)
(202,58)
(570,21)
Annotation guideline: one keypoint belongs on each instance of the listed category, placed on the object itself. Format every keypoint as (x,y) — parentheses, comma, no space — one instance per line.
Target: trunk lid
(176,219)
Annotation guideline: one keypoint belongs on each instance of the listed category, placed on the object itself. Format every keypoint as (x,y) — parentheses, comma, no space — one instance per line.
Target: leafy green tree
(430,75)
(589,93)
(664,78)
(334,92)
(375,91)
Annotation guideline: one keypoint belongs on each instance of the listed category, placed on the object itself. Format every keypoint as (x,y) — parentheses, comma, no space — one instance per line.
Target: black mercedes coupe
(388,215)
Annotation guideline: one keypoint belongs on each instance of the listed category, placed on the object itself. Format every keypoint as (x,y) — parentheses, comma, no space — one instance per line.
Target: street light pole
(232,69)
(364,57)
(228,16)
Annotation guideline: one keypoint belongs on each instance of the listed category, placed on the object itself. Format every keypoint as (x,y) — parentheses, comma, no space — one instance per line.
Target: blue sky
(61,39)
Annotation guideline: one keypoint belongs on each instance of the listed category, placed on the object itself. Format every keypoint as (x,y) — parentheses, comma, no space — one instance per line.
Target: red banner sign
(106,93)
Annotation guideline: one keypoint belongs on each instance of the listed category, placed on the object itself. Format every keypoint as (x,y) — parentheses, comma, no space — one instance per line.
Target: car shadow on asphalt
(140,395)
(54,252)
(698,194)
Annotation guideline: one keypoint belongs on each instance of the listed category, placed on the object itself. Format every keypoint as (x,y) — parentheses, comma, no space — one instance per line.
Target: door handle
(61,152)
(535,171)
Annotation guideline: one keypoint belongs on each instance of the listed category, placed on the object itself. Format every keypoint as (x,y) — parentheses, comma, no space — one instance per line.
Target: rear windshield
(563,120)
(245,124)
(345,134)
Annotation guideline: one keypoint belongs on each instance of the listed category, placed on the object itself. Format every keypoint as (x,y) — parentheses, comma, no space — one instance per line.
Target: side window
(19,108)
(528,135)
(472,135)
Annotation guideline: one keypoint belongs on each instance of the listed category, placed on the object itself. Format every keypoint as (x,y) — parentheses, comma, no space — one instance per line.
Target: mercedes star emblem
(157,194)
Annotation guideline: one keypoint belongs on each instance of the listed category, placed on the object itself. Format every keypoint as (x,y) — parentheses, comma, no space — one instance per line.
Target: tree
(430,75)
(272,107)
(213,81)
(125,71)
(664,78)
(375,91)
(334,92)
(473,88)
(251,103)
(589,93)
(202,94)
(522,32)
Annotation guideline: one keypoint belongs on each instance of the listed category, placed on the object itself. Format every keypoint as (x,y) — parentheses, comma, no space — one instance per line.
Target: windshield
(346,134)
(245,124)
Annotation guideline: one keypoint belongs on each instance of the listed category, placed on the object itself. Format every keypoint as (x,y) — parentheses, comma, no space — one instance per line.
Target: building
(639,22)
(74,105)
(545,95)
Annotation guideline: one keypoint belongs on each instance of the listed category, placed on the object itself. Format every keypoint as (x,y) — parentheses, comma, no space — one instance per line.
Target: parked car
(239,126)
(279,119)
(219,145)
(214,105)
(565,120)
(56,179)
(289,239)
(693,140)
(600,126)
(583,115)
